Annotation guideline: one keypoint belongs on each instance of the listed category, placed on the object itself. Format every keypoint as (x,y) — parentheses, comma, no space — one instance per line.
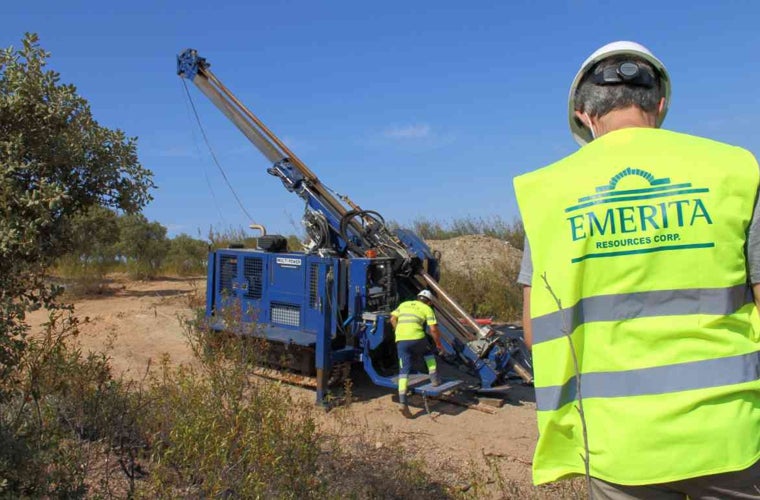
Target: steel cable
(213,155)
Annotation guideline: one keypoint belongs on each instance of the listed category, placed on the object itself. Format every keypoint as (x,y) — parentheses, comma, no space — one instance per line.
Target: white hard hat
(580,131)
(425,294)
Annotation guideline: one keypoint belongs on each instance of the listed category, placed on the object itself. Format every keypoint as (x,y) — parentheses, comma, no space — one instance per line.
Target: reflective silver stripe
(656,380)
(639,305)
(410,315)
(406,318)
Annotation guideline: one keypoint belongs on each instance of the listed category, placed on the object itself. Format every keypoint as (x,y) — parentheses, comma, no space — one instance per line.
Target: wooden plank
(467,404)
(290,378)
(495,402)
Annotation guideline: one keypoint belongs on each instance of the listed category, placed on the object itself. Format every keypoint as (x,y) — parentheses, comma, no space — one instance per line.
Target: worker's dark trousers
(743,484)
(408,350)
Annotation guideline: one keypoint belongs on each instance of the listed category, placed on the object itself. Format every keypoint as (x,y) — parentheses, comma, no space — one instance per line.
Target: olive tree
(56,161)
(94,237)
(143,244)
(187,255)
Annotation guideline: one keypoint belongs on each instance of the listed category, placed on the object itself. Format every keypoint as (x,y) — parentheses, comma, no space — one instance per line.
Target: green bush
(223,432)
(64,416)
(187,256)
(95,234)
(69,429)
(487,292)
(143,244)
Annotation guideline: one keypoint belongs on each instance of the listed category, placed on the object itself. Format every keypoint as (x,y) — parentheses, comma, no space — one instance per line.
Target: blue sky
(413,109)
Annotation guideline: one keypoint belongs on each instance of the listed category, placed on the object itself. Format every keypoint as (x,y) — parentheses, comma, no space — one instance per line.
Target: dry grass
(487,291)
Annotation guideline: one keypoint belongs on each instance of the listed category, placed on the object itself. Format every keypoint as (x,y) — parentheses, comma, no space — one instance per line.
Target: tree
(94,235)
(143,243)
(187,255)
(56,161)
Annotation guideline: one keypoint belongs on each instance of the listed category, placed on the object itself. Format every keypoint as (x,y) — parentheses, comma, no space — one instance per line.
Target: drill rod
(450,302)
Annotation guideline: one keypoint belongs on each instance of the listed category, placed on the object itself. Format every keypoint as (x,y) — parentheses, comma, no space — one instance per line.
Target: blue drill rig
(328,307)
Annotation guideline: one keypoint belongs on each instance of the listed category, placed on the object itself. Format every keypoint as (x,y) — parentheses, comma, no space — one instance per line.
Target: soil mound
(465,254)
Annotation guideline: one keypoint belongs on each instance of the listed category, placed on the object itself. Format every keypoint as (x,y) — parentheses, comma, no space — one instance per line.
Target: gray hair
(598,100)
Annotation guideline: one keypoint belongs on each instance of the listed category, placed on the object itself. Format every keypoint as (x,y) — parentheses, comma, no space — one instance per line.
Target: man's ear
(583,118)
(660,107)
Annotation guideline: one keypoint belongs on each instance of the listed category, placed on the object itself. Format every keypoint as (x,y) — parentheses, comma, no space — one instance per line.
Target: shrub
(70,429)
(143,244)
(64,415)
(187,256)
(94,233)
(487,292)
(221,431)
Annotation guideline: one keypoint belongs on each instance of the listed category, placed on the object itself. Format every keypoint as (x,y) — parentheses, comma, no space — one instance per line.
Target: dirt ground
(139,322)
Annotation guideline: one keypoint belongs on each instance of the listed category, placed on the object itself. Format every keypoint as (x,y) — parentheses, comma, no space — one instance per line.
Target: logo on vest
(646,215)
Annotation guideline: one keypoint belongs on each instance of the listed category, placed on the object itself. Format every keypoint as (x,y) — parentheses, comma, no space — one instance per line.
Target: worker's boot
(404,407)
(435,379)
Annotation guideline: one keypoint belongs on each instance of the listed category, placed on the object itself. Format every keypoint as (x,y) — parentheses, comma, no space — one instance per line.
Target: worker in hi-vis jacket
(409,320)
(643,245)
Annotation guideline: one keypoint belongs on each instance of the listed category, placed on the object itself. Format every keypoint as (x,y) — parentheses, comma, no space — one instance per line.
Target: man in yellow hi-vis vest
(644,250)
(409,320)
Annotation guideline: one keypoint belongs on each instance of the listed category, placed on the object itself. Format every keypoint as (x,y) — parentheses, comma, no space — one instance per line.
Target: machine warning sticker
(657,216)
(288,262)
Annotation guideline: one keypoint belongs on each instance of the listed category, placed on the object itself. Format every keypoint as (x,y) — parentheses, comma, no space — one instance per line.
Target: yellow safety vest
(412,317)
(641,236)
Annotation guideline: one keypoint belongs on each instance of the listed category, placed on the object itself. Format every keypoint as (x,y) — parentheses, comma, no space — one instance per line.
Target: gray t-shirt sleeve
(753,244)
(526,266)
